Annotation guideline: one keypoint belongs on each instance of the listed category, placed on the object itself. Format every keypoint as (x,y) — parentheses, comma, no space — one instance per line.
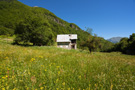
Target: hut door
(72,46)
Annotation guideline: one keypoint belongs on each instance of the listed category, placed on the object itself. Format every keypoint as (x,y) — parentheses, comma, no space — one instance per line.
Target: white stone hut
(67,41)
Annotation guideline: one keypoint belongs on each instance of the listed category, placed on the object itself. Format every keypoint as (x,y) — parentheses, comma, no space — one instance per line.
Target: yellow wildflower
(57,80)
(41,88)
(42,65)
(63,83)
(79,77)
(58,72)
(6,76)
(6,57)
(27,88)
(14,89)
(3,77)
(6,84)
(40,56)
(58,66)
(111,87)
(32,59)
(50,65)
(29,73)
(3,88)
(8,68)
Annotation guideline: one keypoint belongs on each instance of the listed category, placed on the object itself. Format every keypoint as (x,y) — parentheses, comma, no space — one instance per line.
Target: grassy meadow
(51,68)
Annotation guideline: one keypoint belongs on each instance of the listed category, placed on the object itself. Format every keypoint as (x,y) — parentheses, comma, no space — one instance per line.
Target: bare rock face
(57,20)
(72,26)
(76,28)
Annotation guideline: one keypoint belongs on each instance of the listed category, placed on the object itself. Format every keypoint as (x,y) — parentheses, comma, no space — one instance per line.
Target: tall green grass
(51,68)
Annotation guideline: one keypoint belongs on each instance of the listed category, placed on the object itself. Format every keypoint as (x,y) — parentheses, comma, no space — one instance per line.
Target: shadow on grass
(125,53)
(24,45)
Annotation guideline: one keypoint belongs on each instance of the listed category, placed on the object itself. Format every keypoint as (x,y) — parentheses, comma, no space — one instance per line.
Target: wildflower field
(51,68)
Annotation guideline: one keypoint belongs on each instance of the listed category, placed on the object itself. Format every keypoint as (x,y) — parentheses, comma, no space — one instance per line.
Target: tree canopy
(34,30)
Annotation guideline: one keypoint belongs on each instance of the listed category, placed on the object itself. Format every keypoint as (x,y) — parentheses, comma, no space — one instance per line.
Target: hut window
(73,41)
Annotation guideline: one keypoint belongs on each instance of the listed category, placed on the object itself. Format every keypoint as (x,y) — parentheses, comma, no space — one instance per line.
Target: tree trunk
(90,50)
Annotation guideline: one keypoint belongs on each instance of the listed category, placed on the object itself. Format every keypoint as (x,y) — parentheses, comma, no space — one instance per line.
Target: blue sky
(107,18)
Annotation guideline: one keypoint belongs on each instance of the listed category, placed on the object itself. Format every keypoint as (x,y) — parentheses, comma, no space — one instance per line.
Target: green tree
(123,44)
(34,30)
(93,43)
(131,41)
(42,36)
(89,30)
(131,38)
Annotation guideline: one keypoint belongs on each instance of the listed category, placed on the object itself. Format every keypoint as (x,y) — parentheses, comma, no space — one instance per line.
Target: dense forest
(39,26)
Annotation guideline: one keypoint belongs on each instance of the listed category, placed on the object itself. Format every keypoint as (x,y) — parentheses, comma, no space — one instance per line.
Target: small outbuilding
(67,41)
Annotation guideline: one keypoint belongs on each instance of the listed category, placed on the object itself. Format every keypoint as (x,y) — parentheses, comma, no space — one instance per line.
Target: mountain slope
(115,39)
(13,12)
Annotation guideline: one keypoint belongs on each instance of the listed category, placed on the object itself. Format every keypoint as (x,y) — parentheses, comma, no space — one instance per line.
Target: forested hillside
(14,12)
(35,23)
